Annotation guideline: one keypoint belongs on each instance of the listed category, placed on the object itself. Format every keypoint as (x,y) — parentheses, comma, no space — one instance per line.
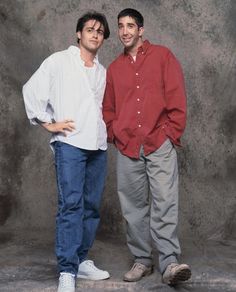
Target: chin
(93,50)
(128,46)
(125,44)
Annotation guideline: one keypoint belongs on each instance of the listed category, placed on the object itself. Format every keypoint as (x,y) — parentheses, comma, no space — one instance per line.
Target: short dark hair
(135,14)
(94,16)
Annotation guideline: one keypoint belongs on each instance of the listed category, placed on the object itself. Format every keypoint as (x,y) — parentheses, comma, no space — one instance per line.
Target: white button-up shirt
(62,88)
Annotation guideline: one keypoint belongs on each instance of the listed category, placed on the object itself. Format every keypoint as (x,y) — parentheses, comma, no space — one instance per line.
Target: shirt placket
(139,101)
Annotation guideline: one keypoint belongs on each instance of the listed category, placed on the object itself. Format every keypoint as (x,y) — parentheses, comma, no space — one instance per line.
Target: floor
(27,263)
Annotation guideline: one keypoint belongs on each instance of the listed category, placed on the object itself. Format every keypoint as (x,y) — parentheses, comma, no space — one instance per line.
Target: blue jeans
(80,180)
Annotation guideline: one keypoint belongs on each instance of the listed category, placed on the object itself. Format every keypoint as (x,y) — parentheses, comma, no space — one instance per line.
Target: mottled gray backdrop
(201,33)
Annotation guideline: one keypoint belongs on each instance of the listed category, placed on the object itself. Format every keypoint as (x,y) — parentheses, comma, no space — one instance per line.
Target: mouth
(126,40)
(94,42)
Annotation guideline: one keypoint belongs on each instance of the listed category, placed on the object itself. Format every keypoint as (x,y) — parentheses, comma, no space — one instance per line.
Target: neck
(133,50)
(87,56)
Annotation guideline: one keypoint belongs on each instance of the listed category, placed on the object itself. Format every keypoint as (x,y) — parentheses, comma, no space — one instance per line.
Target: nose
(95,34)
(125,31)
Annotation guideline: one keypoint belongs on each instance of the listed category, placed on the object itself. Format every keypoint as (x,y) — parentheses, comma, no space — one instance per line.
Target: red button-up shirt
(145,101)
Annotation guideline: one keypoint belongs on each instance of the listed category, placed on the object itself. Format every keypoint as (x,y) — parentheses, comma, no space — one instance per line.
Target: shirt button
(139,126)
(138,112)
(138,99)
(137,86)
(136,73)
(132,62)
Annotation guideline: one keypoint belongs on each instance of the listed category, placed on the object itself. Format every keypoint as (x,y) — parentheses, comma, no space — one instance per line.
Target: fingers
(63,127)
(69,126)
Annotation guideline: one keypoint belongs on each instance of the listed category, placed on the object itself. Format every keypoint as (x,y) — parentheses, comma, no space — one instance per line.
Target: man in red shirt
(145,111)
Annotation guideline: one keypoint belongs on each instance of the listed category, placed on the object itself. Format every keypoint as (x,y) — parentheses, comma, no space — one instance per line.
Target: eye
(101,32)
(130,25)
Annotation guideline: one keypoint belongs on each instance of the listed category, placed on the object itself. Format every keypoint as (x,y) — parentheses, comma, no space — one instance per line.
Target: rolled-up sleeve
(36,93)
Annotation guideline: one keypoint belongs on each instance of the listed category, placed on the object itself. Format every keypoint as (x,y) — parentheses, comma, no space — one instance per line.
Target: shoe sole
(180,276)
(92,278)
(139,278)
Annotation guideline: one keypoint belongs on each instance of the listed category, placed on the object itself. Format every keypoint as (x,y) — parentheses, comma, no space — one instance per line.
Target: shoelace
(91,264)
(138,266)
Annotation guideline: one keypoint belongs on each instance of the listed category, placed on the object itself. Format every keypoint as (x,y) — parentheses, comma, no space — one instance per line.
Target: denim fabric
(80,180)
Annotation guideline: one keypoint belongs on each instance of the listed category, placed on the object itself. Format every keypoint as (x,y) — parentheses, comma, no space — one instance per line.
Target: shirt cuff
(41,118)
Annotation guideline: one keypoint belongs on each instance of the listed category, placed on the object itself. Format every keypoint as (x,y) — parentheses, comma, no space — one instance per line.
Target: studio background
(201,34)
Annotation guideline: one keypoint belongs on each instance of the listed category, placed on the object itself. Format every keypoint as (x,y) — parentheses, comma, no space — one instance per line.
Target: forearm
(109,109)
(176,125)
(176,98)
(109,116)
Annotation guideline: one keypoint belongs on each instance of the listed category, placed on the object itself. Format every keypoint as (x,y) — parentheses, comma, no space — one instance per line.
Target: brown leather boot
(137,272)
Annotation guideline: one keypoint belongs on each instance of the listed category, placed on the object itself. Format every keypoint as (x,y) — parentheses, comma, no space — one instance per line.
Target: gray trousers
(148,193)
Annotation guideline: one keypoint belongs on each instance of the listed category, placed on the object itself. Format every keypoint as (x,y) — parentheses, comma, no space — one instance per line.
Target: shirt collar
(146,44)
(76,52)
(142,49)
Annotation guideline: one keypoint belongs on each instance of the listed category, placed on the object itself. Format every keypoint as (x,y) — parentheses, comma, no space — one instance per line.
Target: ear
(79,34)
(141,31)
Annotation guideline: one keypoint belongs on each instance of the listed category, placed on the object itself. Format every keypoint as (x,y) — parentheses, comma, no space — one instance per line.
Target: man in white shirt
(65,97)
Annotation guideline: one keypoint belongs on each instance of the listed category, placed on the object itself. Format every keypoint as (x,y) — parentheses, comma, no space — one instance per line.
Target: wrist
(46,125)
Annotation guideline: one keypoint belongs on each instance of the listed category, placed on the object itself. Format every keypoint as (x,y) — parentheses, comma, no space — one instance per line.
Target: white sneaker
(66,283)
(87,270)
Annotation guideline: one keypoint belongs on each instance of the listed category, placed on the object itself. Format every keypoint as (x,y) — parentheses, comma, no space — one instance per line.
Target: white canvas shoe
(87,270)
(66,283)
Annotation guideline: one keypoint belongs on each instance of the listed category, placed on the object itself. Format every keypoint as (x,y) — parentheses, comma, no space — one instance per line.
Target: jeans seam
(59,174)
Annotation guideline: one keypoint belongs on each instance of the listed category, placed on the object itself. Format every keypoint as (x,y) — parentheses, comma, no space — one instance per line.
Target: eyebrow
(99,28)
(129,23)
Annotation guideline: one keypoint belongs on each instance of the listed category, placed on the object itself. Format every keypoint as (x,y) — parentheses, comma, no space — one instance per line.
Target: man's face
(92,36)
(129,33)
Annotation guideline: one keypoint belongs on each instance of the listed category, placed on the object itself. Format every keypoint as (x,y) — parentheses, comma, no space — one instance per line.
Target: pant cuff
(163,265)
(69,272)
(145,261)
